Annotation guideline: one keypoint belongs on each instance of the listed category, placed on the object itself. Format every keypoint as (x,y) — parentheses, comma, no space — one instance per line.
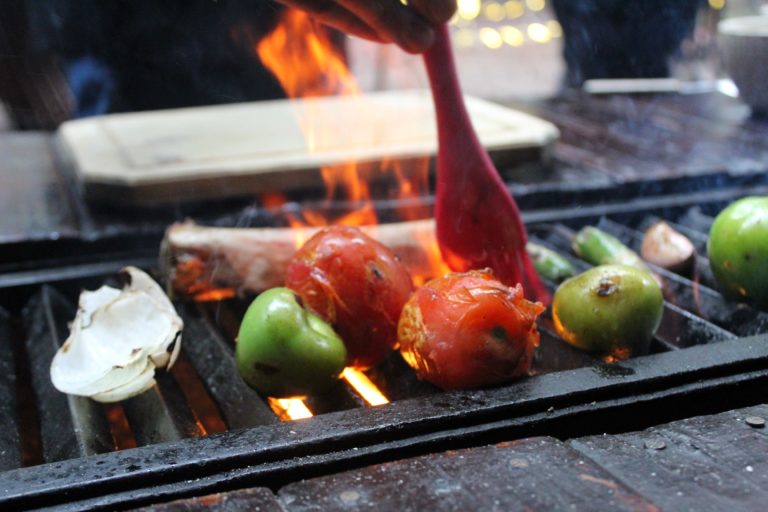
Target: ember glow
(288,409)
(122,436)
(364,387)
(215,294)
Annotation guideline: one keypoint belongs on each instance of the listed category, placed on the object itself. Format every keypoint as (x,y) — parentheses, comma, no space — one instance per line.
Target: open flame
(364,387)
(303,58)
(288,409)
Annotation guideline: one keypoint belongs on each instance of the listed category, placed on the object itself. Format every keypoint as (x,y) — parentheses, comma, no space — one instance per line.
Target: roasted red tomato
(468,330)
(357,285)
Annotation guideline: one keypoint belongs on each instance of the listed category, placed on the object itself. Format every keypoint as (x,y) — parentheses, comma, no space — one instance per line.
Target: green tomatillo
(285,350)
(610,310)
(738,250)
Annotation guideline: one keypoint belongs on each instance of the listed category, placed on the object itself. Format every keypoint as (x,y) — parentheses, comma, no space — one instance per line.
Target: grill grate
(204,395)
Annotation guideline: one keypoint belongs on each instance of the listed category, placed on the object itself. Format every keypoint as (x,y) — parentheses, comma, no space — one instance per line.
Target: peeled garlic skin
(118,338)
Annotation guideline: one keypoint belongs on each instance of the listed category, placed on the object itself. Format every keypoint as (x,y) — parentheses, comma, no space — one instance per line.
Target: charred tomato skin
(468,330)
(357,285)
(738,250)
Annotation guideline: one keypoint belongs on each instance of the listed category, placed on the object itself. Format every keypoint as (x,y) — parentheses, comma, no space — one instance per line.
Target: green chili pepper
(549,264)
(600,248)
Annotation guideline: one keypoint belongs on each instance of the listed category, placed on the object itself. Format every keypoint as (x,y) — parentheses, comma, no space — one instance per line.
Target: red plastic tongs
(478,222)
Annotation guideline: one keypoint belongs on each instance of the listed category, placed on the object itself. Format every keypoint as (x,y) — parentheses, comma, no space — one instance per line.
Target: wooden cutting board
(219,151)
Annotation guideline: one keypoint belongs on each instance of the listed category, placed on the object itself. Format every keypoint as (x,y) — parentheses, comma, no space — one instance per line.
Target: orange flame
(304,59)
(364,387)
(289,409)
(215,294)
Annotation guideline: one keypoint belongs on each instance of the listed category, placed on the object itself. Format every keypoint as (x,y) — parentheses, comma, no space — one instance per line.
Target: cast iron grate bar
(223,319)
(70,426)
(396,380)
(338,398)
(554,355)
(170,413)
(153,422)
(213,359)
(10,453)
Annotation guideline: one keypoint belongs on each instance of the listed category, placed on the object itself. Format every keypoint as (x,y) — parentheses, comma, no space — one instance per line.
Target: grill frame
(591,400)
(648,389)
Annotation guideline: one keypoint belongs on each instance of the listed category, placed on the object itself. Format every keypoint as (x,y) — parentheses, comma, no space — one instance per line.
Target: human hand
(384,21)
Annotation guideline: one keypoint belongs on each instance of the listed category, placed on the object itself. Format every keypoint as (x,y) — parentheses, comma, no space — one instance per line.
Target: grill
(203,430)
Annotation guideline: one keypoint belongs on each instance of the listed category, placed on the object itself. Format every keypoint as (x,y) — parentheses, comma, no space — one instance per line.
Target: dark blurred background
(62,59)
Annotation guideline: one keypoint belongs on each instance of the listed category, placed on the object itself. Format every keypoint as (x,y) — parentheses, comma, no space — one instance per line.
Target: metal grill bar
(258,444)
(153,422)
(212,358)
(70,426)
(10,455)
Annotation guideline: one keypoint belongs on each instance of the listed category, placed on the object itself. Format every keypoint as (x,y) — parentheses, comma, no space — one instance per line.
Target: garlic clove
(667,248)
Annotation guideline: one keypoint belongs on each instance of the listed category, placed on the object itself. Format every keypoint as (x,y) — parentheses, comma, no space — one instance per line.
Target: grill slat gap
(150,419)
(175,402)
(213,359)
(556,355)
(70,426)
(200,403)
(10,450)
(30,442)
(397,380)
(122,436)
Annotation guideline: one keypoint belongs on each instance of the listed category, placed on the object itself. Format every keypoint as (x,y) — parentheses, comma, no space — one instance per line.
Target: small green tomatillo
(285,350)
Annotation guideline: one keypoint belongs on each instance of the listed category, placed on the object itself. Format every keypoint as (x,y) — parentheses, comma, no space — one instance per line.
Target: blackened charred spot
(266,368)
(172,344)
(606,288)
(125,278)
(747,256)
(499,333)
(612,370)
(376,272)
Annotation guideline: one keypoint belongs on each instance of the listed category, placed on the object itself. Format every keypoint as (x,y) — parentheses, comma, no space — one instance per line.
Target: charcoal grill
(202,430)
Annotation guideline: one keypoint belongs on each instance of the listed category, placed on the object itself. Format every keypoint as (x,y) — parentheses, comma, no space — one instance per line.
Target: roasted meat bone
(198,259)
